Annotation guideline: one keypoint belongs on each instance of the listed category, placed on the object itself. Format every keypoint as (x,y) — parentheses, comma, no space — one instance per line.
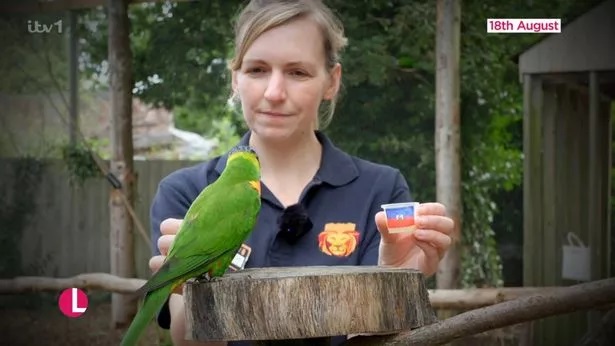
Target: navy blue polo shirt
(341,201)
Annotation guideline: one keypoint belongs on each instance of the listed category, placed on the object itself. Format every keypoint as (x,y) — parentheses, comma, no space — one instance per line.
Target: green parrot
(215,226)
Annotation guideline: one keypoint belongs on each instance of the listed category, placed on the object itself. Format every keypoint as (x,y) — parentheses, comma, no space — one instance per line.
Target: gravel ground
(47,326)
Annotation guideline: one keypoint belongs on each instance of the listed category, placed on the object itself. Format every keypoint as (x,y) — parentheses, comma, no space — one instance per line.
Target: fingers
(431,208)
(155,263)
(170,226)
(437,222)
(381,222)
(437,242)
(164,243)
(432,255)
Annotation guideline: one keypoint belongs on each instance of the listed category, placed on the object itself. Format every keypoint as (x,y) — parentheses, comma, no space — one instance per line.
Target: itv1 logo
(73,302)
(34,27)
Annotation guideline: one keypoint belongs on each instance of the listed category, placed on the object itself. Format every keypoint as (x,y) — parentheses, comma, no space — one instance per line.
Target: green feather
(151,305)
(219,220)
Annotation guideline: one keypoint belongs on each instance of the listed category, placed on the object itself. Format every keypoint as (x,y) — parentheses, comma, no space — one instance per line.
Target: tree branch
(467,299)
(96,281)
(532,307)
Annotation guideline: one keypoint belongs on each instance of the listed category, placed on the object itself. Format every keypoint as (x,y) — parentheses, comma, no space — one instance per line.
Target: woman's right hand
(168,229)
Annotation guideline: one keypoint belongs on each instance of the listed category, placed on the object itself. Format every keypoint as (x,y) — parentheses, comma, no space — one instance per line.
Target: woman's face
(283,80)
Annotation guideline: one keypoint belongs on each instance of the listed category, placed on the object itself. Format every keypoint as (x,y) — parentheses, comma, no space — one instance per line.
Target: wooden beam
(594,225)
(593,181)
(73,77)
(40,6)
(532,180)
(608,166)
(550,225)
(447,136)
(120,95)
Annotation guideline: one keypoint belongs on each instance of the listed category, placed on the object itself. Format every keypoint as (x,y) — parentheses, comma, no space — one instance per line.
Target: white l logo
(75,307)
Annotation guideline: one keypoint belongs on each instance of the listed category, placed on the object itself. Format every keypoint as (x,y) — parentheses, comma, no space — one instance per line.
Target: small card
(241,258)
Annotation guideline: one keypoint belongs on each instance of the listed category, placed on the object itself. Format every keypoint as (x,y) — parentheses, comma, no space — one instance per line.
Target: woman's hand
(422,249)
(169,229)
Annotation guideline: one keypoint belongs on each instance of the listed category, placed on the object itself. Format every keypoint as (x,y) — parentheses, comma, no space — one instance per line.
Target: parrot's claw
(203,277)
(206,278)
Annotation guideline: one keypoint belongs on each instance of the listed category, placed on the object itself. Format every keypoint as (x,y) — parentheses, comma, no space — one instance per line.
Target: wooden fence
(66,232)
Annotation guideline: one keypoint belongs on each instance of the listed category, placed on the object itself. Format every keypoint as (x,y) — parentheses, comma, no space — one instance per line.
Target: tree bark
(533,307)
(447,141)
(306,302)
(120,85)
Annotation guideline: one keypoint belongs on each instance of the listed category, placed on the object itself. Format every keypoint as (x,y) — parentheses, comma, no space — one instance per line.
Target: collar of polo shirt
(336,168)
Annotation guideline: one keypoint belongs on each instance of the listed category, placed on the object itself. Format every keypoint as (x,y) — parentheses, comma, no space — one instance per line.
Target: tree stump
(306,302)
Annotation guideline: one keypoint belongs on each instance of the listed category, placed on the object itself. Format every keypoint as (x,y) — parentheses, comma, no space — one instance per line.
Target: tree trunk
(447,141)
(120,76)
(306,302)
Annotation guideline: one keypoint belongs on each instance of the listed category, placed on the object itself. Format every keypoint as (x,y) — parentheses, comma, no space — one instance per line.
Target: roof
(585,43)
(46,6)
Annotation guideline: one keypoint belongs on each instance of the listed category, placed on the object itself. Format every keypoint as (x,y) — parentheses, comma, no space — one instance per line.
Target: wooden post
(306,302)
(594,225)
(73,74)
(120,85)
(448,168)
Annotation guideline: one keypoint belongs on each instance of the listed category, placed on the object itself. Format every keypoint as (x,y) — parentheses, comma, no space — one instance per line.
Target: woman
(286,67)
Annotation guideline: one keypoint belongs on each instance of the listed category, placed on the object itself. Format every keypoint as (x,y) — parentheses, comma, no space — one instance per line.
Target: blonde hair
(262,15)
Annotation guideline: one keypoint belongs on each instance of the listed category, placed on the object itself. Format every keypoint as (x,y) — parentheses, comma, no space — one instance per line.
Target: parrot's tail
(152,303)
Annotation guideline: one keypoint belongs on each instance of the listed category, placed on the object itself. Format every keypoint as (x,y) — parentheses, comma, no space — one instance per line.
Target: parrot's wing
(213,229)
(177,270)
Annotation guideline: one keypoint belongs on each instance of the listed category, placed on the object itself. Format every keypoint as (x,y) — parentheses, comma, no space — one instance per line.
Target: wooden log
(468,299)
(89,281)
(306,302)
(585,296)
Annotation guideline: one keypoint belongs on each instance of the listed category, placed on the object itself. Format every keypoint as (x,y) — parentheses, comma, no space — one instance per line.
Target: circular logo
(73,302)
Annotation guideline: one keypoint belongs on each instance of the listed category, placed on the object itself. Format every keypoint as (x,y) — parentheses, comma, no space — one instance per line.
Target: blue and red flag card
(400,216)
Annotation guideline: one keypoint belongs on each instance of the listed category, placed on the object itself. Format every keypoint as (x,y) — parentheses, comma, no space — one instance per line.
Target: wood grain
(306,302)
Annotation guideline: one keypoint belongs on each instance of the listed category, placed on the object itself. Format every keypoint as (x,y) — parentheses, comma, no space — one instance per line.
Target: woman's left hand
(422,249)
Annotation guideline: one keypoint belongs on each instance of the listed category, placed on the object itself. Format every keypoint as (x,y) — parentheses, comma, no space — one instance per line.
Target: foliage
(222,127)
(179,54)
(31,63)
(225,131)
(80,163)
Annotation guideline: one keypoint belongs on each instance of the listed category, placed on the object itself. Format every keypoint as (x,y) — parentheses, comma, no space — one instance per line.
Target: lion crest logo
(338,239)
